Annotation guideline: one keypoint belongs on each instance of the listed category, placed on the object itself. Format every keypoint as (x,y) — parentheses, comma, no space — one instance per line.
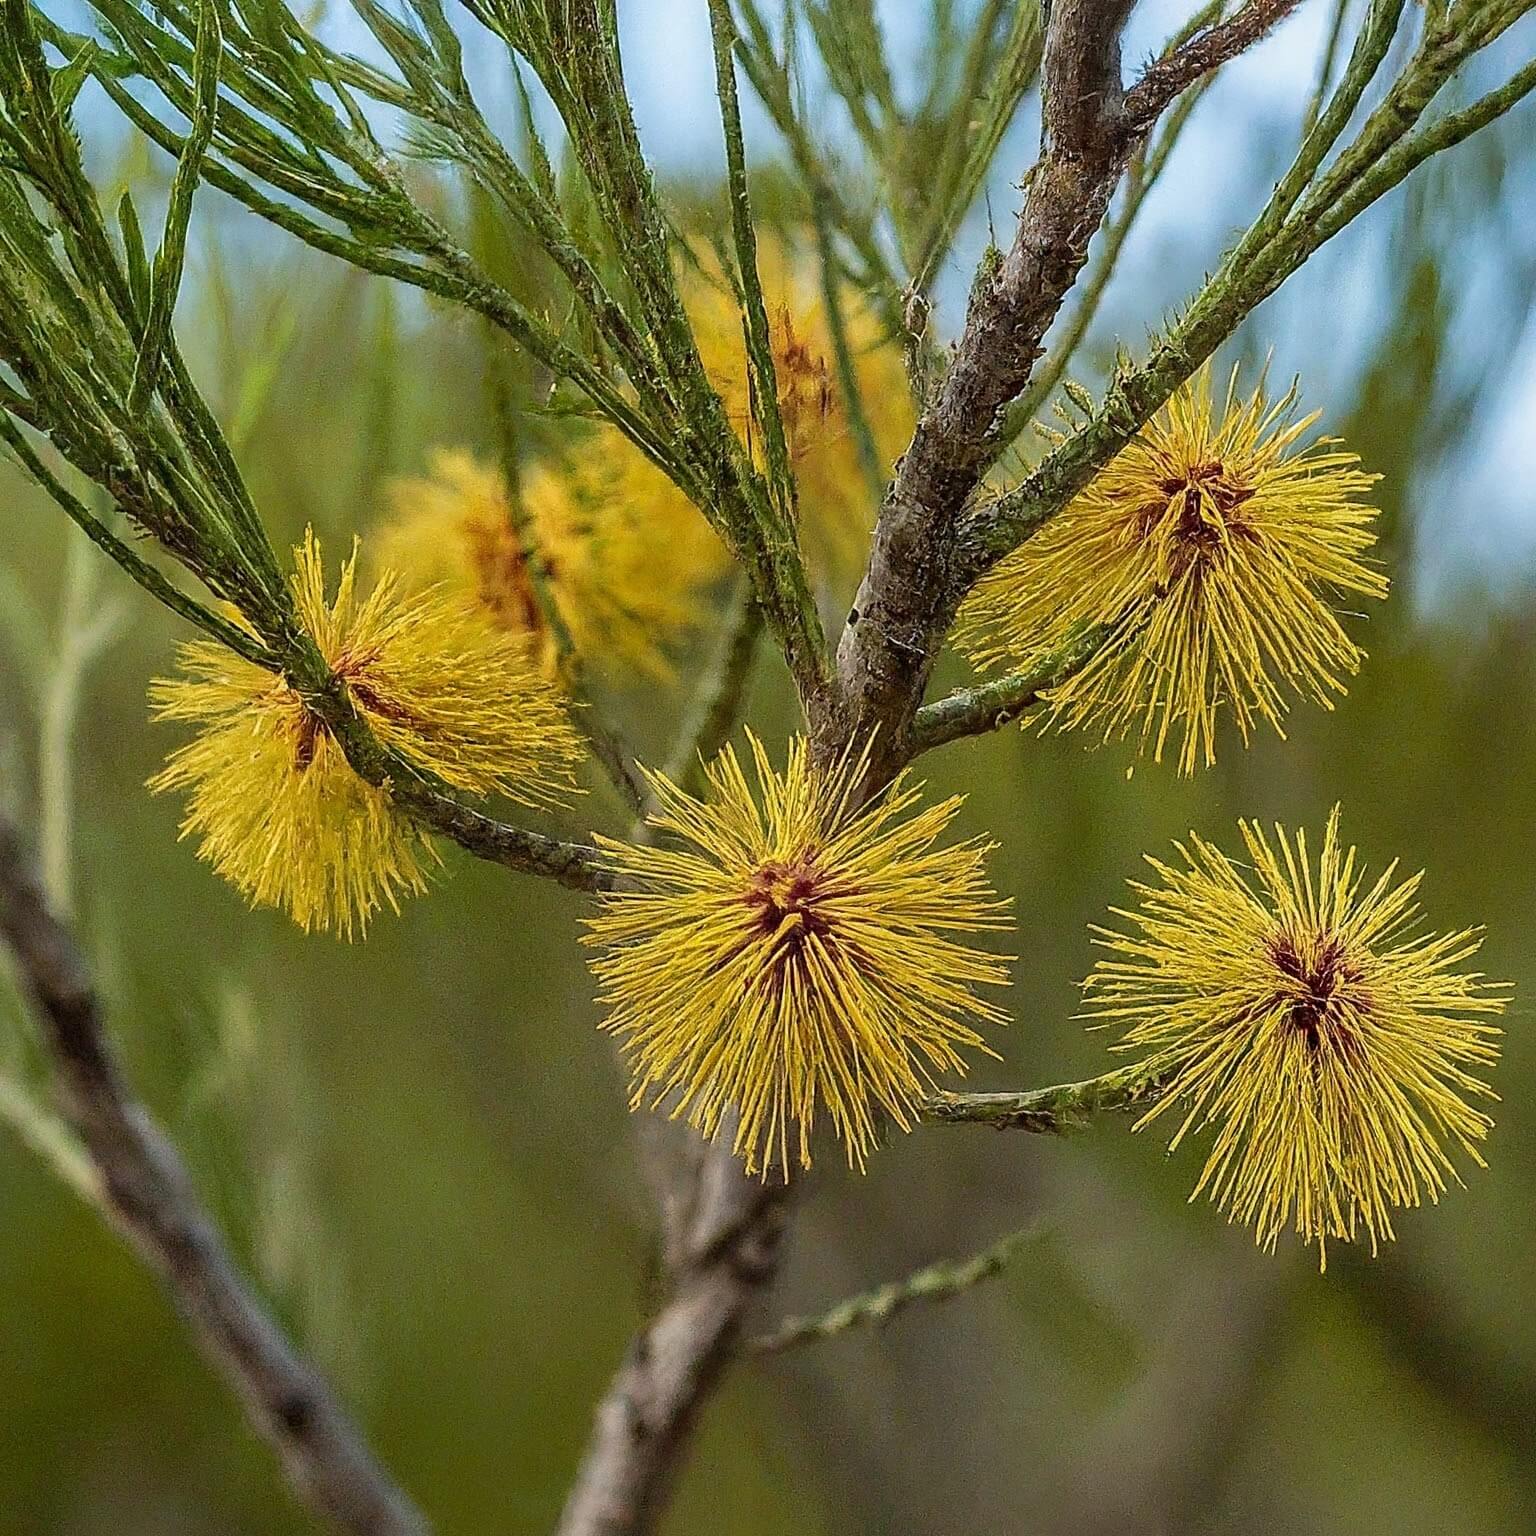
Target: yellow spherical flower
(837,505)
(623,552)
(795,950)
(278,811)
(1299,1014)
(1212,544)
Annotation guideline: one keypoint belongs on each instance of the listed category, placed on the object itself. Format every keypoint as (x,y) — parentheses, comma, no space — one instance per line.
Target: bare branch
(938,1281)
(724,1249)
(145,1189)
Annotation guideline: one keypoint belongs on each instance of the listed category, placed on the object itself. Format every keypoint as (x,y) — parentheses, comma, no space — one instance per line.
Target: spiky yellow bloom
(1213,544)
(1299,1014)
(624,554)
(795,951)
(279,812)
(837,504)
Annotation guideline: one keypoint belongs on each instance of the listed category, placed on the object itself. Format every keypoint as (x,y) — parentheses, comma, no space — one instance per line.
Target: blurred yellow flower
(1301,1016)
(795,950)
(623,552)
(279,812)
(1212,544)
(837,504)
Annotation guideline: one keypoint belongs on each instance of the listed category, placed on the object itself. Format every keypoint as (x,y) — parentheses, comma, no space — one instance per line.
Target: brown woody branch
(1090,129)
(578,866)
(1170,76)
(723,1233)
(144,1187)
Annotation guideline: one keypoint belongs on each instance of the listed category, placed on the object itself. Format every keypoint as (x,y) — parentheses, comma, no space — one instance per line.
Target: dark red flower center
(502,577)
(353,671)
(1323,979)
(806,396)
(788,898)
(1205,499)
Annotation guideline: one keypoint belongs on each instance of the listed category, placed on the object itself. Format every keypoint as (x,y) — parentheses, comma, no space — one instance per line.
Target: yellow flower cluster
(1301,1015)
(795,951)
(276,806)
(624,555)
(1211,544)
(784,949)
(837,504)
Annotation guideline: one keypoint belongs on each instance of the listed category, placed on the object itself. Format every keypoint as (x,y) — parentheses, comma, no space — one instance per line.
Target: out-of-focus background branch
(389,1133)
(129,1170)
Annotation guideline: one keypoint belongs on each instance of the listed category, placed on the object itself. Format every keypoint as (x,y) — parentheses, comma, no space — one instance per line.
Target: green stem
(1055,1111)
(240,641)
(847,375)
(935,1282)
(988,706)
(765,388)
(719,705)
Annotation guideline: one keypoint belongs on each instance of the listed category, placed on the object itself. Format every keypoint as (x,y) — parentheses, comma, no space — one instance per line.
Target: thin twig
(1325,66)
(578,866)
(989,706)
(721,701)
(934,1282)
(146,1189)
(1054,1111)
(575,865)
(1207,50)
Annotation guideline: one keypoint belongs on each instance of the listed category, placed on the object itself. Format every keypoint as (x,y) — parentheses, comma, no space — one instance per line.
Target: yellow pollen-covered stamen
(1302,1017)
(789,954)
(272,799)
(1214,548)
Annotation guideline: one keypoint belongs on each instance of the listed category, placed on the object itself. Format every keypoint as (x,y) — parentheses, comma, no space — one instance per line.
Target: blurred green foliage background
(420,1145)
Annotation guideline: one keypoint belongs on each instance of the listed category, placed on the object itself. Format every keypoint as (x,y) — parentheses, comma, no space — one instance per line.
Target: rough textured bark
(1090,129)
(723,1234)
(908,598)
(144,1187)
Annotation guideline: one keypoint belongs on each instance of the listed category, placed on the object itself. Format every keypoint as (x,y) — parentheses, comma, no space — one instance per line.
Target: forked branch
(1090,130)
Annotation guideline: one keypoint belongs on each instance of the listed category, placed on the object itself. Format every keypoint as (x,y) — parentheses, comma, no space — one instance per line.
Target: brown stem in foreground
(723,1232)
(145,1189)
